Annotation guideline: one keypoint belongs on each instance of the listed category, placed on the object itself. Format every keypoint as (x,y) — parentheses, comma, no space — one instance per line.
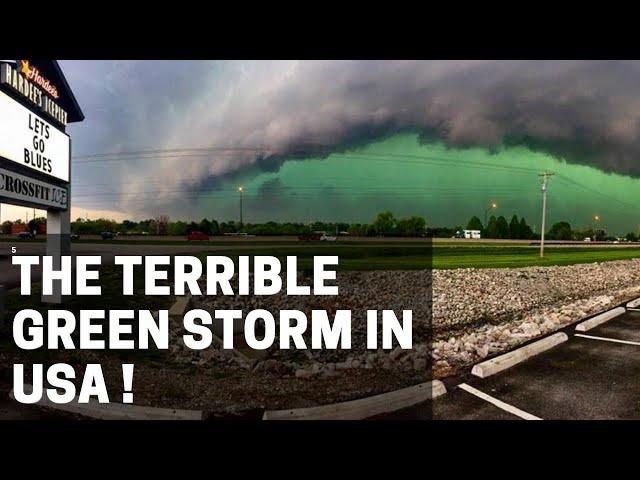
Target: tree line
(384,224)
(497,227)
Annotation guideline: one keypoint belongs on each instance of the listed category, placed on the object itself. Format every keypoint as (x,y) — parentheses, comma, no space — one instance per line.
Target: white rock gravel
(476,313)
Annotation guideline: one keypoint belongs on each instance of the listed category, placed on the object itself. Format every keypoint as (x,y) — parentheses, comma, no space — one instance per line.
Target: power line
(570,182)
(158,201)
(299,149)
(320,191)
(372,156)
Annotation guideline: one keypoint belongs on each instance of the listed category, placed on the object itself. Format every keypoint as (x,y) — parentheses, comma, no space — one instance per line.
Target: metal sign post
(36,103)
(1,306)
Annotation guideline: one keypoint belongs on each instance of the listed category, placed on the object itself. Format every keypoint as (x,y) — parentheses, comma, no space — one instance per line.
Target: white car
(327,238)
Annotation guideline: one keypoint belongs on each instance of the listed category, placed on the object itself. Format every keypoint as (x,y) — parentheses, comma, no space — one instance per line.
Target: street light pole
(596,218)
(545,176)
(486,213)
(240,189)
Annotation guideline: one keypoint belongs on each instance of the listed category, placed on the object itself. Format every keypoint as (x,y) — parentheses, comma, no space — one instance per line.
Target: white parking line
(498,403)
(604,339)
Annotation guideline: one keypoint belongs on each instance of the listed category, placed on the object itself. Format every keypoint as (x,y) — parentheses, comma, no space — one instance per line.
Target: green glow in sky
(446,186)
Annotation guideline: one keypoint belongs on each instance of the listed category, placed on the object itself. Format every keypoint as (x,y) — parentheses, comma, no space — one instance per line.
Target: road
(585,378)
(10,275)
(239,240)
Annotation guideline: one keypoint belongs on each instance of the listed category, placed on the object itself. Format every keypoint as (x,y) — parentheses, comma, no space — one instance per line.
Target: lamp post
(486,213)
(240,190)
(596,219)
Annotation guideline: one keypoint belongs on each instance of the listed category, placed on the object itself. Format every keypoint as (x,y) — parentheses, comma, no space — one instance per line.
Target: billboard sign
(28,140)
(21,190)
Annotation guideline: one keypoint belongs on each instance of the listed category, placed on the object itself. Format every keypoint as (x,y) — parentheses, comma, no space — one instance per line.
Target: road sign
(29,140)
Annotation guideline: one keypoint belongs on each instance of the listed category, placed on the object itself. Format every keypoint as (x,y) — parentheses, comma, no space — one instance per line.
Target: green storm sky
(446,186)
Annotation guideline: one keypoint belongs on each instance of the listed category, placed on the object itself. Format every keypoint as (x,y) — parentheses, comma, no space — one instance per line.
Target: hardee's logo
(33,75)
(39,92)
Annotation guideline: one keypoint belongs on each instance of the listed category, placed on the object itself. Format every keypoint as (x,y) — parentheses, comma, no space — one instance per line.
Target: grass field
(392,254)
(485,257)
(399,257)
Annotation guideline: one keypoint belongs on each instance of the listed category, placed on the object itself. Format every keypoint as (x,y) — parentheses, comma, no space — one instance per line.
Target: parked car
(197,236)
(107,235)
(328,238)
(25,235)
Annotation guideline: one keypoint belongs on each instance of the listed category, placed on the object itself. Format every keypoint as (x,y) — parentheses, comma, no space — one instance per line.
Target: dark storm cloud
(583,111)
(272,197)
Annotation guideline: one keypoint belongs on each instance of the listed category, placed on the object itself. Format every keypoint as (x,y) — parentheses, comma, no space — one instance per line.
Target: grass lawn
(489,257)
(400,257)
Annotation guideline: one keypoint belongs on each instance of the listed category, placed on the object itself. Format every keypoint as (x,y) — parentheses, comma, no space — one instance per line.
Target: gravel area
(476,313)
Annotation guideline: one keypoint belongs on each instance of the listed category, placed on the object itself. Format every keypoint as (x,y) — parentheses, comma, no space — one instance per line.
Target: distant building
(471,234)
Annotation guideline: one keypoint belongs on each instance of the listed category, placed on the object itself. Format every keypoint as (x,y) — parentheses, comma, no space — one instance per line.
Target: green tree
(600,234)
(474,224)
(205,226)
(514,227)
(384,223)
(502,227)
(35,222)
(147,226)
(525,230)
(411,227)
(215,227)
(492,230)
(560,231)
(355,229)
(631,237)
(127,226)
(177,228)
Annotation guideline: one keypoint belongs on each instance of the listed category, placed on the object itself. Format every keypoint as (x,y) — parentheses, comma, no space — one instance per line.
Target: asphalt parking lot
(594,375)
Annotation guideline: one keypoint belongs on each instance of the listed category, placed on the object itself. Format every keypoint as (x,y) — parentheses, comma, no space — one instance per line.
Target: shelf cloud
(585,112)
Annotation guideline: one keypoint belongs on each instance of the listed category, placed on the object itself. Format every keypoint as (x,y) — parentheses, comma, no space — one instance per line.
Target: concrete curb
(179,308)
(508,360)
(364,407)
(599,319)
(634,303)
(118,411)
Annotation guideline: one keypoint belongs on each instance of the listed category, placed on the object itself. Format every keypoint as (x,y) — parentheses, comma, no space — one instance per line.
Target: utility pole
(545,177)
